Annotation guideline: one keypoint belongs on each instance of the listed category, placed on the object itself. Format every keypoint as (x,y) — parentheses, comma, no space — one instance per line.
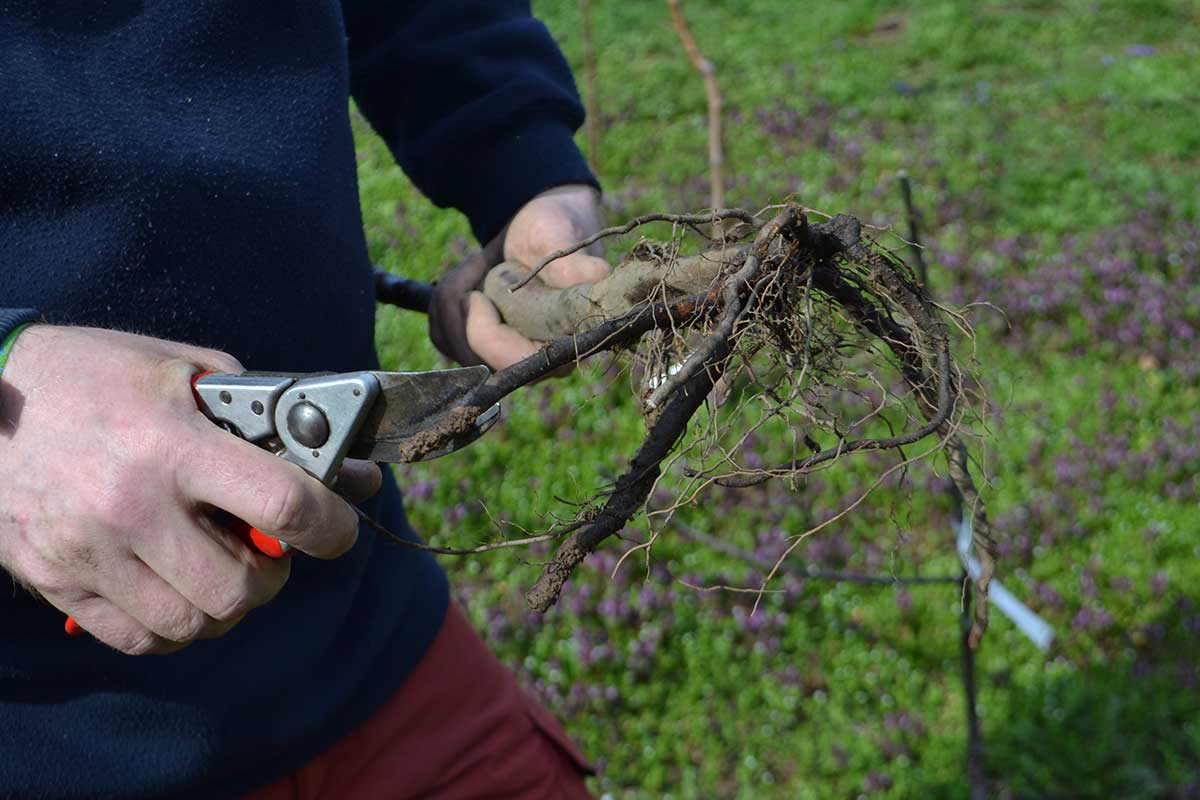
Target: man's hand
(110,481)
(465,326)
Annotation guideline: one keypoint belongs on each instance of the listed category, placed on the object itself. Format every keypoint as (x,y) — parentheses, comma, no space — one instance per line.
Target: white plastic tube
(1026,620)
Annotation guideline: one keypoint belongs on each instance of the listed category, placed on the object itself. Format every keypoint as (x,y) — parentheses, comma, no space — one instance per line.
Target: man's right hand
(109,478)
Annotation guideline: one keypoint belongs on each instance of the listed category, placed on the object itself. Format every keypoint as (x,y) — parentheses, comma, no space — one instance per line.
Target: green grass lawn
(1056,153)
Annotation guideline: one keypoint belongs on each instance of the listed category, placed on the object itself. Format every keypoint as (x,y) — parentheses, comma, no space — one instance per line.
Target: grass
(1032,130)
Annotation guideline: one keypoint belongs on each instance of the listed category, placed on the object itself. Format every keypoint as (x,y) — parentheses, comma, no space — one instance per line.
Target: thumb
(496,343)
(358,480)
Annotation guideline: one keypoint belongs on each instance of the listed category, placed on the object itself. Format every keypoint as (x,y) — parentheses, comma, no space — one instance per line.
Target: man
(185,170)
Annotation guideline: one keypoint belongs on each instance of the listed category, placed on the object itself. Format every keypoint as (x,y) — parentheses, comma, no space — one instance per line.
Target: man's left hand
(464,324)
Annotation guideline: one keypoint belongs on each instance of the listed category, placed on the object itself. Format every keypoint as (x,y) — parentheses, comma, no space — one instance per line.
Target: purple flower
(421,490)
(1087,584)
(1049,596)
(456,513)
(877,782)
(1092,619)
(1140,50)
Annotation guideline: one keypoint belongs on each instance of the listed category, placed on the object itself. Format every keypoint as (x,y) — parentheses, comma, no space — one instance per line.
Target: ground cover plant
(1055,154)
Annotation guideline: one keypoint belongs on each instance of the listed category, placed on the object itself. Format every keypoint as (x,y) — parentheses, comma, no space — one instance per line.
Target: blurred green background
(1055,148)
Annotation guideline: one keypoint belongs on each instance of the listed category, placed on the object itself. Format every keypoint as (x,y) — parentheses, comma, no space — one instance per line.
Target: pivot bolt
(307,425)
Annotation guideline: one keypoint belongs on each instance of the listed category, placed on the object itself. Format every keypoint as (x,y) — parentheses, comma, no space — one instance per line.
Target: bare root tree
(764,331)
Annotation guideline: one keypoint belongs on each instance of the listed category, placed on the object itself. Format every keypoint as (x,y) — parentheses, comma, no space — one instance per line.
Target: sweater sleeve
(12,318)
(473,97)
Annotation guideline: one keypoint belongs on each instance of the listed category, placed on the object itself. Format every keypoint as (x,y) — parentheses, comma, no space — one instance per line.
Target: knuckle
(182,624)
(251,587)
(48,578)
(242,595)
(114,504)
(208,359)
(221,362)
(174,376)
(546,232)
(137,642)
(286,509)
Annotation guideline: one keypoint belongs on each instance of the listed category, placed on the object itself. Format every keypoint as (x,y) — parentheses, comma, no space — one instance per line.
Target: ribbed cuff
(12,320)
(520,164)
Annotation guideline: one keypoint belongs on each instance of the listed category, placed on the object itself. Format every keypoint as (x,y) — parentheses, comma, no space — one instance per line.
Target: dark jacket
(185,169)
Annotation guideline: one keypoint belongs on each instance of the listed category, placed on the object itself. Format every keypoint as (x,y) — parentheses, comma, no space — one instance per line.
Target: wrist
(533,156)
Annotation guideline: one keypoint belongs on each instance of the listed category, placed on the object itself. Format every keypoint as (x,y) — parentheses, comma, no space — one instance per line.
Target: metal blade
(393,452)
(408,402)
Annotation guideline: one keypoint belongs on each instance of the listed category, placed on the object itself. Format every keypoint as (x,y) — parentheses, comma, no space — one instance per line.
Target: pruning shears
(318,420)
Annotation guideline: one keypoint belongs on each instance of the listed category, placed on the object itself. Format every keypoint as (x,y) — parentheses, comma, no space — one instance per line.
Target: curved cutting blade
(409,402)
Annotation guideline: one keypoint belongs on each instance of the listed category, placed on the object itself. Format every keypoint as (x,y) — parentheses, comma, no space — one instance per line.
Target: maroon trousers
(460,727)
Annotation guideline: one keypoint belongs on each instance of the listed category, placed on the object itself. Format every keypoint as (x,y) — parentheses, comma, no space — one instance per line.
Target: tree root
(790,313)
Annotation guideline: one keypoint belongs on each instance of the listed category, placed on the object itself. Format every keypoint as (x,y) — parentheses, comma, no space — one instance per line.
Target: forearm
(473,97)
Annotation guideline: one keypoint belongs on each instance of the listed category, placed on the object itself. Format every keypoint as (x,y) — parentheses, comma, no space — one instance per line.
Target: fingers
(103,620)
(147,597)
(116,463)
(465,327)
(211,571)
(549,234)
(496,343)
(574,269)
(557,220)
(448,308)
(358,480)
(282,500)
(133,609)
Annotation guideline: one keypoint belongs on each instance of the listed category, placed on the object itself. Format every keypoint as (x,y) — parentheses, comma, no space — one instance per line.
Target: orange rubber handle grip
(253,537)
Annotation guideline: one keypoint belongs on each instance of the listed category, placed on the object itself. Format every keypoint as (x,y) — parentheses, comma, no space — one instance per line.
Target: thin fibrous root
(784,315)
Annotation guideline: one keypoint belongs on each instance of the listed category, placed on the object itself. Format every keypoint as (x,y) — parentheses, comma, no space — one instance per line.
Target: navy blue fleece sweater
(185,169)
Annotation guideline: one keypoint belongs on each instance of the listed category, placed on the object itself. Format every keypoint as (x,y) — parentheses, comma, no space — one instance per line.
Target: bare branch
(716,148)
